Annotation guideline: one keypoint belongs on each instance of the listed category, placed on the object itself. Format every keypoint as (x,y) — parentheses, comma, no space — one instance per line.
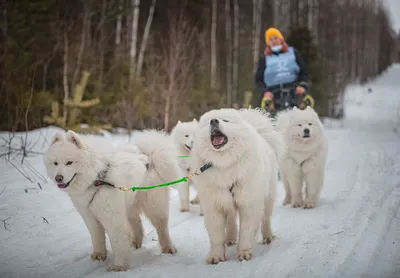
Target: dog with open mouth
(242,150)
(305,158)
(89,169)
(183,134)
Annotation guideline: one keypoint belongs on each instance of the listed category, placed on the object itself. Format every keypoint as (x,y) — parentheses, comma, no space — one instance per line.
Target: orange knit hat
(273,32)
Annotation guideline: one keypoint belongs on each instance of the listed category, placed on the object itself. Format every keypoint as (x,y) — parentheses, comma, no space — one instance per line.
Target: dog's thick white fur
(242,178)
(183,134)
(75,162)
(305,158)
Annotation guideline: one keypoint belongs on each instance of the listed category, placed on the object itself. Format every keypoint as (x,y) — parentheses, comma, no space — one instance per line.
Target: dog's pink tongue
(61,185)
(218,140)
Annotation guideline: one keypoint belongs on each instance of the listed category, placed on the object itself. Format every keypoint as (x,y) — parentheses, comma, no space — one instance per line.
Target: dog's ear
(57,137)
(179,122)
(74,139)
(194,120)
(295,108)
(308,108)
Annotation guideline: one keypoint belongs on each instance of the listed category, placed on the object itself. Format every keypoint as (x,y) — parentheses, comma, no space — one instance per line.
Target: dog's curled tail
(161,151)
(265,126)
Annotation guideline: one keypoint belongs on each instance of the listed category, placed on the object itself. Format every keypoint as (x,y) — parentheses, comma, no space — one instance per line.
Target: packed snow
(353,232)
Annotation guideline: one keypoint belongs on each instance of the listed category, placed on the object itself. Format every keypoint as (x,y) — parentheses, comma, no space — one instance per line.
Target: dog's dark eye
(186,135)
(226,121)
(309,123)
(299,124)
(69,163)
(55,163)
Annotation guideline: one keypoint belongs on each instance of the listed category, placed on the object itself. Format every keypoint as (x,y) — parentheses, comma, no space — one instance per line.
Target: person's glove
(268,95)
(300,90)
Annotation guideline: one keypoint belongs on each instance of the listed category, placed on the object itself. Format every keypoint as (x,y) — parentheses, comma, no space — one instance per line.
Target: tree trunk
(135,20)
(213,76)
(275,13)
(235,51)
(81,46)
(145,39)
(118,31)
(228,41)
(257,16)
(102,42)
(167,108)
(65,76)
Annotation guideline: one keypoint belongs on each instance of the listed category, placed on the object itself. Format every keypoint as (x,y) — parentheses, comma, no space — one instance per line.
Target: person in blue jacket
(280,67)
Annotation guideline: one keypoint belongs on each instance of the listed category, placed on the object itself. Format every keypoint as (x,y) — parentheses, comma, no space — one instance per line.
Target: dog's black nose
(214,122)
(306,131)
(59,178)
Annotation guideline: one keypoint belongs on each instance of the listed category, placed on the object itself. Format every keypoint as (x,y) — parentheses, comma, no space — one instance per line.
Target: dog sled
(285,98)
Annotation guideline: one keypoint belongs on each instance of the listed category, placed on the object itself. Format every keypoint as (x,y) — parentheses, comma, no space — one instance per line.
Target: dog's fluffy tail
(161,151)
(265,126)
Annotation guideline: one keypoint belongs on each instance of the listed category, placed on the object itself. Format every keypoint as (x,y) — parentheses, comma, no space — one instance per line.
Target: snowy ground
(354,232)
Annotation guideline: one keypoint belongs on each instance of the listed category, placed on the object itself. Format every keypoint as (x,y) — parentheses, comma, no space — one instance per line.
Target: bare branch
(5,223)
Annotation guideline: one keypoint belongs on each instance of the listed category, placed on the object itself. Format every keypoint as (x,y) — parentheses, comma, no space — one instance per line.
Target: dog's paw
(195,201)
(184,209)
(297,204)
(268,239)
(230,242)
(215,259)
(244,255)
(286,201)
(97,256)
(169,249)
(138,244)
(309,204)
(117,268)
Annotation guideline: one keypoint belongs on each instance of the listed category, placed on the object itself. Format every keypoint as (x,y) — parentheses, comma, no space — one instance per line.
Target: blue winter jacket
(281,69)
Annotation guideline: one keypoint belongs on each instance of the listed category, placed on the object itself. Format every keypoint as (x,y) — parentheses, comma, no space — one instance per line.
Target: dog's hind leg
(288,193)
(156,209)
(183,190)
(195,200)
(269,202)
(137,226)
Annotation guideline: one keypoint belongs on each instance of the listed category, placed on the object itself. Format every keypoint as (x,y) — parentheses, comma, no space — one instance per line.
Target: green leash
(184,179)
(184,156)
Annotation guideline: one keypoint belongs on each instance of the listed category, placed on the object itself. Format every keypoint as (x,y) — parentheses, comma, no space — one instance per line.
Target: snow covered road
(353,232)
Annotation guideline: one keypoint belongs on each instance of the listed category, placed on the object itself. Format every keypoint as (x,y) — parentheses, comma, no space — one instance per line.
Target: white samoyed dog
(88,169)
(305,158)
(241,149)
(183,135)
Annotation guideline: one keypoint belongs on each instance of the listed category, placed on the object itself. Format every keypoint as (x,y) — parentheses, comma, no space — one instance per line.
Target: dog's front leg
(314,180)
(293,175)
(97,232)
(215,224)
(111,210)
(249,216)
(120,235)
